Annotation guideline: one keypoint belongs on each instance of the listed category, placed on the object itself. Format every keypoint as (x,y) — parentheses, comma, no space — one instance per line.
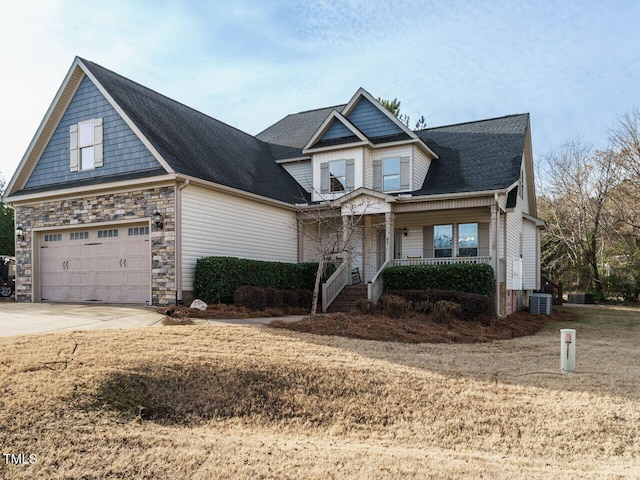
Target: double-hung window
(391,174)
(338,175)
(85,145)
(86,140)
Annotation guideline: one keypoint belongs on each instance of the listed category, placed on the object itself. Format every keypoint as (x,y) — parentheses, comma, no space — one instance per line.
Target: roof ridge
(473,121)
(334,107)
(167,97)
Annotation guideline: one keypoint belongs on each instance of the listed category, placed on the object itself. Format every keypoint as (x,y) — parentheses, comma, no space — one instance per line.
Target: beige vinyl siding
(530,272)
(302,173)
(444,204)
(421,165)
(219,224)
(514,243)
(309,253)
(368,169)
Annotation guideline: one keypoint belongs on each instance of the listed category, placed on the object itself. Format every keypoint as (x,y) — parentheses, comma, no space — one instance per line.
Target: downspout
(179,241)
(497,257)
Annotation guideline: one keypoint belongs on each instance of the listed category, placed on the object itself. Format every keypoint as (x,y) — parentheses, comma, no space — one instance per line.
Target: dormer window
(85,145)
(391,174)
(337,176)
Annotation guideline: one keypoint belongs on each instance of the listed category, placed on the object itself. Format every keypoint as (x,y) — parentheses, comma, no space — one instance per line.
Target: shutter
(97,142)
(405,178)
(377,175)
(349,174)
(324,177)
(73,148)
(427,241)
(483,239)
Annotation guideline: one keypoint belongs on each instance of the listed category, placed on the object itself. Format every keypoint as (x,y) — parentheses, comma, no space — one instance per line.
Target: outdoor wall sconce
(157,219)
(405,232)
(19,232)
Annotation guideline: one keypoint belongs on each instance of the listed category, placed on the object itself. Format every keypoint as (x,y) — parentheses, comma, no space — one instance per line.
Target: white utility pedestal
(567,350)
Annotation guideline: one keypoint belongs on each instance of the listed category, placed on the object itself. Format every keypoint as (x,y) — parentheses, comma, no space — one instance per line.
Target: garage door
(96,265)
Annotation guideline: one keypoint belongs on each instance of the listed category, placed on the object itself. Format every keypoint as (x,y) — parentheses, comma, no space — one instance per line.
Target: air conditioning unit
(540,304)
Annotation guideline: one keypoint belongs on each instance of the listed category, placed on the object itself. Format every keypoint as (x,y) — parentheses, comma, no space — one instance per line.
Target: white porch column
(493,245)
(389,226)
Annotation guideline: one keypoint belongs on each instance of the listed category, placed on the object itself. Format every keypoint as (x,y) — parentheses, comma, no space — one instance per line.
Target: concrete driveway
(32,318)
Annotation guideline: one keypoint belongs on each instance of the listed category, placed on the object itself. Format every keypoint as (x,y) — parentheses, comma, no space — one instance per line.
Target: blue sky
(573,65)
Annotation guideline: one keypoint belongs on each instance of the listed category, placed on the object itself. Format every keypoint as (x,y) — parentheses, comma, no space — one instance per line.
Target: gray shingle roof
(296,129)
(475,156)
(195,144)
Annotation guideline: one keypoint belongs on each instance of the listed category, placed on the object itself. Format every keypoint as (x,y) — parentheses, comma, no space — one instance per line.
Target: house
(122,189)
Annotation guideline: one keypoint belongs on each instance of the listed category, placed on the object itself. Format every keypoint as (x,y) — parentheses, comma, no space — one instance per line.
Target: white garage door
(96,265)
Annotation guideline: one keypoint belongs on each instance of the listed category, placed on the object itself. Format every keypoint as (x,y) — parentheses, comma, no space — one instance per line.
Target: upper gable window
(85,145)
(86,150)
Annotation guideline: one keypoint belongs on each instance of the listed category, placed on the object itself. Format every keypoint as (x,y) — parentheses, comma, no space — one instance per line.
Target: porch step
(347,298)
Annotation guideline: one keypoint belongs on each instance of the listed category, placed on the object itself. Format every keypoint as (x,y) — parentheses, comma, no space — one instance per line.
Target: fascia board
(29,162)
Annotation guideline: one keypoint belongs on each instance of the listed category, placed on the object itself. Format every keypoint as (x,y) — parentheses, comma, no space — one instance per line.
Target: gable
(337,134)
(371,121)
(124,152)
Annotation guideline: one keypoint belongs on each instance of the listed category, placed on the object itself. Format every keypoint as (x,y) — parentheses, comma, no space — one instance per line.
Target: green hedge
(216,278)
(461,277)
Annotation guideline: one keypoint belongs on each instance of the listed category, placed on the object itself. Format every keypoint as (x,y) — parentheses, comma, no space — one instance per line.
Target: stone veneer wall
(93,210)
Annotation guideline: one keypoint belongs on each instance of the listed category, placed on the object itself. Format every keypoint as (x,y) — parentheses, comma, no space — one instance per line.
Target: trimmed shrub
(444,311)
(216,278)
(473,307)
(461,277)
(275,297)
(253,298)
(290,298)
(305,298)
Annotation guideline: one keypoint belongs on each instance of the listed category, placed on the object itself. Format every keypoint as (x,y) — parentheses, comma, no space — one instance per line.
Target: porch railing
(405,262)
(334,285)
(374,288)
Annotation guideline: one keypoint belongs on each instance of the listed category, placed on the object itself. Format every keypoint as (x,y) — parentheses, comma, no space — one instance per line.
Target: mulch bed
(423,329)
(417,329)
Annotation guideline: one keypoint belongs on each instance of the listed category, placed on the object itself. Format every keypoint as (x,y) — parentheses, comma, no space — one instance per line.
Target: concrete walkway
(33,318)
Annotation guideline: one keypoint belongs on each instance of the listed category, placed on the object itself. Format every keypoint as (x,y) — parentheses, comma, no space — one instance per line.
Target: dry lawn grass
(203,402)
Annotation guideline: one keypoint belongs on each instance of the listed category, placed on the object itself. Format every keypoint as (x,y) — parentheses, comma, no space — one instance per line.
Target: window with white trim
(85,145)
(391,174)
(79,236)
(468,240)
(338,175)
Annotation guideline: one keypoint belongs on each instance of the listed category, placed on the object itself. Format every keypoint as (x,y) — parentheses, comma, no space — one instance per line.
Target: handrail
(334,285)
(374,288)
(405,262)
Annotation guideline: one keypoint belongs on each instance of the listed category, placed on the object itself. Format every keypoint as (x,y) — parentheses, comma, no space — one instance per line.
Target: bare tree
(579,184)
(330,225)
